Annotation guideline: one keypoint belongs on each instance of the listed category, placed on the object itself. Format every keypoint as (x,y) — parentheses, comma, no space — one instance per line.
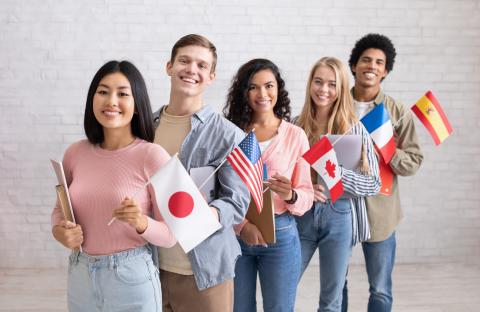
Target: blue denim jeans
(328,227)
(278,267)
(124,281)
(379,262)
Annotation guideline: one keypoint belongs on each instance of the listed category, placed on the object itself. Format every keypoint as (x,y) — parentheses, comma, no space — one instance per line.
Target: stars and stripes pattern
(246,160)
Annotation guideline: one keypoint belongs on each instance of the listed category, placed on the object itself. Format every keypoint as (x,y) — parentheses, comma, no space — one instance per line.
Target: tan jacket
(384,212)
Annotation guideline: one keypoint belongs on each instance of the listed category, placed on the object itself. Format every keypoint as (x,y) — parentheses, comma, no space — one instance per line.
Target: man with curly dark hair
(371,60)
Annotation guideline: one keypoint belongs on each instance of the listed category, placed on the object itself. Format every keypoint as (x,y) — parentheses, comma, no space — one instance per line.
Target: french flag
(378,124)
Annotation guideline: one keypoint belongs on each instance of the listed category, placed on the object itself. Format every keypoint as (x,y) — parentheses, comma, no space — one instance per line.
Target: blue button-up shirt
(208,143)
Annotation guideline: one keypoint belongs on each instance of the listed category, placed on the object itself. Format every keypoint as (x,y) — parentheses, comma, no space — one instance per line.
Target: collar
(378,99)
(202,114)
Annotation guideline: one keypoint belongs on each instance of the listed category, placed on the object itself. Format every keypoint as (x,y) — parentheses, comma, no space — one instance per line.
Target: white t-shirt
(263,145)
(362,108)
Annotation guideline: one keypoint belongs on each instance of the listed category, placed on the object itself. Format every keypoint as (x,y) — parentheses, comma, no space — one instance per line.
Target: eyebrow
(254,84)
(198,60)
(319,78)
(372,58)
(120,87)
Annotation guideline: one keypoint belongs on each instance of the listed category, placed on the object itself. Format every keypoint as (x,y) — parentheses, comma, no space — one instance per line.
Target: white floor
(427,288)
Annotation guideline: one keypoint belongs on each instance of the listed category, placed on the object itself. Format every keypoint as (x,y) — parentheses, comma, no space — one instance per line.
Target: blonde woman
(334,228)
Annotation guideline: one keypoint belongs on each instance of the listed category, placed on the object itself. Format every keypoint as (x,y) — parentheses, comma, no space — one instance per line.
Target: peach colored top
(283,156)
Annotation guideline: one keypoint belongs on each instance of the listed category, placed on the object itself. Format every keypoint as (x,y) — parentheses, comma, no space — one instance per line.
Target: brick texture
(50,51)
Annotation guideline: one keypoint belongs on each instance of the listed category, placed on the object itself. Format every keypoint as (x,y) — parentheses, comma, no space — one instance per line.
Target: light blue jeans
(124,281)
(379,262)
(328,227)
(278,267)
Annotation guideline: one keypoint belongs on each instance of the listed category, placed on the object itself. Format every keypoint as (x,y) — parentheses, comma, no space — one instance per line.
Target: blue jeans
(379,262)
(124,281)
(328,227)
(278,267)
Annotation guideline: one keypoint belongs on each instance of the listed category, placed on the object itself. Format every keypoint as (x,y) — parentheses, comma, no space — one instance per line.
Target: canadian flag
(182,205)
(322,157)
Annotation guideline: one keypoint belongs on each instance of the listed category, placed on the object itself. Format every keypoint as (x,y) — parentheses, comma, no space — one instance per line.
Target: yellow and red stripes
(431,114)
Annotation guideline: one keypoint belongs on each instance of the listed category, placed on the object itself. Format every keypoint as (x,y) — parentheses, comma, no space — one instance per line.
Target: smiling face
(263,91)
(370,68)
(323,89)
(113,103)
(191,71)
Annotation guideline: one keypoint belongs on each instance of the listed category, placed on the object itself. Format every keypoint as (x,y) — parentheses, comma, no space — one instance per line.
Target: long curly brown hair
(237,109)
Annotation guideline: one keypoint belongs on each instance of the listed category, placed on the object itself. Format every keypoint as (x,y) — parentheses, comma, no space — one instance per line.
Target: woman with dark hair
(114,271)
(258,100)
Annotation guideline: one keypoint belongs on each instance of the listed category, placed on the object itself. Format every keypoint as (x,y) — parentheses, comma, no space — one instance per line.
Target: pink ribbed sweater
(98,182)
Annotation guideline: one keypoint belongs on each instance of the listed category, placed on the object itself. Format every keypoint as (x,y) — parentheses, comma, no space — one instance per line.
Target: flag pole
(136,193)
(218,167)
(342,136)
(409,112)
(298,158)
(212,174)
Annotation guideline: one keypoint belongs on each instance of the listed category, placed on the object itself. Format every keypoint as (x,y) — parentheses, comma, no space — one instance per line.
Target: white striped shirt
(361,185)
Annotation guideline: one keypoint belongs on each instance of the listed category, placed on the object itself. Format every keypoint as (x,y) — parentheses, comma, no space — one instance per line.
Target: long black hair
(142,121)
(237,109)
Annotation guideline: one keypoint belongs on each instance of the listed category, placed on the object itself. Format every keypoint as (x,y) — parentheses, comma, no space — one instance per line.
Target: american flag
(246,160)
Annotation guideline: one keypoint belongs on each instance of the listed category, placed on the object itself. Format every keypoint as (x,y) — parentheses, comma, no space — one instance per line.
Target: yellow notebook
(265,221)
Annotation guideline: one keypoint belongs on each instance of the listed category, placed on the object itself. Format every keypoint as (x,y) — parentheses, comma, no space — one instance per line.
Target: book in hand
(265,220)
(64,203)
(62,192)
(58,168)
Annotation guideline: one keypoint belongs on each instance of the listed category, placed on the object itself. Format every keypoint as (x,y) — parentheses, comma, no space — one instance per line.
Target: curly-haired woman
(258,100)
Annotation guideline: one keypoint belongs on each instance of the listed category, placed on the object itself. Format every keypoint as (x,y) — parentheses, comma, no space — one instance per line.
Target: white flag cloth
(322,157)
(182,205)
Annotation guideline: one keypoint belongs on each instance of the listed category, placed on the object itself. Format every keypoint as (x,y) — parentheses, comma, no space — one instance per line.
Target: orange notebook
(265,221)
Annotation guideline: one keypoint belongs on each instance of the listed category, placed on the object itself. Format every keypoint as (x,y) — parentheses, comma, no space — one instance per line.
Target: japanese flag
(323,159)
(182,205)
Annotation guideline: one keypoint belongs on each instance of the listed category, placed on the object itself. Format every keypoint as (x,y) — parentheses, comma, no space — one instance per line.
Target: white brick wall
(50,50)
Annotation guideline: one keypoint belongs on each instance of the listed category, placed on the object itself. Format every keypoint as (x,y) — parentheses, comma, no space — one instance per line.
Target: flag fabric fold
(431,114)
(378,124)
(322,157)
(182,206)
(247,162)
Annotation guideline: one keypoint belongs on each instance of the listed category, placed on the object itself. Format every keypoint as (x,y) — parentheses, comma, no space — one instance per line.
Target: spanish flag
(430,113)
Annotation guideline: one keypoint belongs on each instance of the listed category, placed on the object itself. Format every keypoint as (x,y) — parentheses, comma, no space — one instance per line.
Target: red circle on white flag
(180,204)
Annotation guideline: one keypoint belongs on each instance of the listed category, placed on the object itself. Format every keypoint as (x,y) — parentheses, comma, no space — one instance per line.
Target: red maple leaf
(330,168)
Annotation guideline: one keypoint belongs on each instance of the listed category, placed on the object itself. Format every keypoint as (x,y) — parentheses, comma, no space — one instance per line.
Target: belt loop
(330,203)
(112,262)
(75,254)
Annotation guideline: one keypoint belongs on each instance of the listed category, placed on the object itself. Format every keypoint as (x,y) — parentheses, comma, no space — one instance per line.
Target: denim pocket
(341,206)
(133,272)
